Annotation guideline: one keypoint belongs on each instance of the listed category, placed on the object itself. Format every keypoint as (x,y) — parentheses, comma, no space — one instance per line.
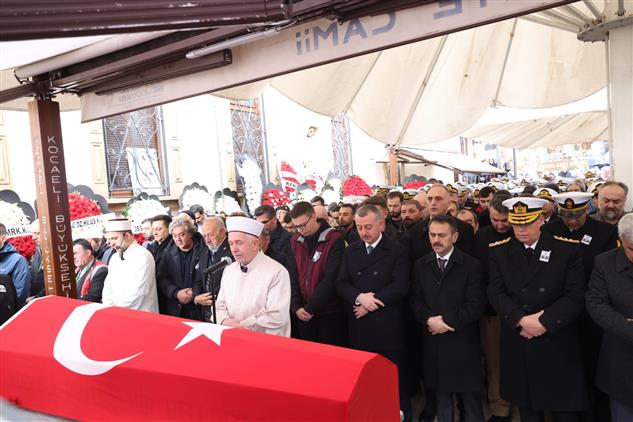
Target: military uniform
(544,373)
(593,238)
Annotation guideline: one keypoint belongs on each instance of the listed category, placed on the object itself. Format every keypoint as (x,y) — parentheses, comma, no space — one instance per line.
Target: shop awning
(559,130)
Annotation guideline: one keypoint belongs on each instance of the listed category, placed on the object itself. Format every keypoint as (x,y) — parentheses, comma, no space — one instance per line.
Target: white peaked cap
(244,225)
(117,225)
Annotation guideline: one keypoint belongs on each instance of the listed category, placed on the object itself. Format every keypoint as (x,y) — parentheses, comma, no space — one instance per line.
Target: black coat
(204,284)
(280,239)
(452,361)
(594,238)
(207,259)
(610,304)
(484,238)
(386,273)
(419,244)
(159,250)
(169,281)
(546,372)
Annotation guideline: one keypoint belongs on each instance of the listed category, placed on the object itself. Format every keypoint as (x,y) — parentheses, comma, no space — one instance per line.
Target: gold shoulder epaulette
(499,242)
(564,239)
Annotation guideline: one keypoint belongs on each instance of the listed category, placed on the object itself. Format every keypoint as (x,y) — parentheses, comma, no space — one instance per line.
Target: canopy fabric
(438,88)
(559,130)
(448,160)
(417,93)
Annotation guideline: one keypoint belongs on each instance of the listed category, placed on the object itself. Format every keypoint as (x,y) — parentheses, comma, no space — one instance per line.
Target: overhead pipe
(87,52)
(593,9)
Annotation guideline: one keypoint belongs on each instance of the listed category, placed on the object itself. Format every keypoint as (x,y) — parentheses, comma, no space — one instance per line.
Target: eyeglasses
(266,222)
(302,227)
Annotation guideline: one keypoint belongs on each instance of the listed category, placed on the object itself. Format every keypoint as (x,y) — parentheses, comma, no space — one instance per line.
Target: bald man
(438,198)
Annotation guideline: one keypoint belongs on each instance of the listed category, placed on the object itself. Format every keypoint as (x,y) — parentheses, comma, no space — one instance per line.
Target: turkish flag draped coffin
(88,361)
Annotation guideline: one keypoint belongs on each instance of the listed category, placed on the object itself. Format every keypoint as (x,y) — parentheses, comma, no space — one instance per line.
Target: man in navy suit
(374,282)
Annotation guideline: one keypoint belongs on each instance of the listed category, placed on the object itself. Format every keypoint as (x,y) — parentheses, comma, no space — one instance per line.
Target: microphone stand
(213,297)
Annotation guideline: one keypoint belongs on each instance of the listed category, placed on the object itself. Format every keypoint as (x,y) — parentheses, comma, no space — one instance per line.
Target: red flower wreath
(24,244)
(139,237)
(416,184)
(355,186)
(81,207)
(275,197)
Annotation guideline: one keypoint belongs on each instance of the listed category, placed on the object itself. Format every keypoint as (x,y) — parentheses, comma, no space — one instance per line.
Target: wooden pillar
(393,166)
(52,199)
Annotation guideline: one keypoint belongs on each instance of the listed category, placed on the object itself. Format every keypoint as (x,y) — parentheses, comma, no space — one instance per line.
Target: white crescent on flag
(67,349)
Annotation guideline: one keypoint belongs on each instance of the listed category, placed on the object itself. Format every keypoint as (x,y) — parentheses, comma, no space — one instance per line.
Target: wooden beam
(393,166)
(52,199)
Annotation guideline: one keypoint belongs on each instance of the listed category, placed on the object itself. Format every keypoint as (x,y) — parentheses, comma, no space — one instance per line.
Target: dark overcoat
(386,273)
(483,239)
(169,281)
(452,361)
(206,284)
(610,304)
(545,372)
(207,259)
(594,238)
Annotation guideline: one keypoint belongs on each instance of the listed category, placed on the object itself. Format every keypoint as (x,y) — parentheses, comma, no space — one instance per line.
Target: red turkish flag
(87,361)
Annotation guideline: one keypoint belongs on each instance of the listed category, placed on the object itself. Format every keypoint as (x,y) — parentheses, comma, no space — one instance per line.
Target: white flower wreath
(12,216)
(145,208)
(200,197)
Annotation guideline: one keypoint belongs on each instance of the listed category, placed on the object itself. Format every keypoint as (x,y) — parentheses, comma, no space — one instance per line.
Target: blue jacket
(17,268)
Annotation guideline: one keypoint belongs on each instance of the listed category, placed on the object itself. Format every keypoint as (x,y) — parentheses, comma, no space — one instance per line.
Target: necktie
(244,268)
(370,249)
(441,262)
(528,253)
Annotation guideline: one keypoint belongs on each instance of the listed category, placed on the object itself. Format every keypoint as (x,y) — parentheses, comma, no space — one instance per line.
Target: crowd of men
(524,296)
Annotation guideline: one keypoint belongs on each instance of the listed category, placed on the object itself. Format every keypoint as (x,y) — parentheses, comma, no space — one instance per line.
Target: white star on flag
(211,331)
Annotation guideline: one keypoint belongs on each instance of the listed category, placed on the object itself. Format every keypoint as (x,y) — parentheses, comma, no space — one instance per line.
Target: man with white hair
(255,290)
(131,281)
(609,301)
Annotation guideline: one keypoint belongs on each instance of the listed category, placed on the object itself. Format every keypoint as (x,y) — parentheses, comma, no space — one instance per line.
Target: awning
(412,94)
(559,130)
(451,161)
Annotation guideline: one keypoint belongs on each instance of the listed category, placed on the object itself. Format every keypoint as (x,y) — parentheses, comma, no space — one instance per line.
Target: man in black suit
(610,304)
(499,230)
(374,282)
(346,225)
(177,271)
(448,300)
(537,288)
(207,287)
(438,200)
(279,237)
(594,237)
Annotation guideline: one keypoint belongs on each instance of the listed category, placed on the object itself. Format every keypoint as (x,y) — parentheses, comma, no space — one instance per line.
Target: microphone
(216,267)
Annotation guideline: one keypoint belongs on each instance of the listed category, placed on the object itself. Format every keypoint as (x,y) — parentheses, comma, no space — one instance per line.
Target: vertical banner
(52,199)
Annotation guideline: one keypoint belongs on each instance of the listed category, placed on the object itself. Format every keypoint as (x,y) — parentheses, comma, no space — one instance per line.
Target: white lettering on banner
(313,44)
